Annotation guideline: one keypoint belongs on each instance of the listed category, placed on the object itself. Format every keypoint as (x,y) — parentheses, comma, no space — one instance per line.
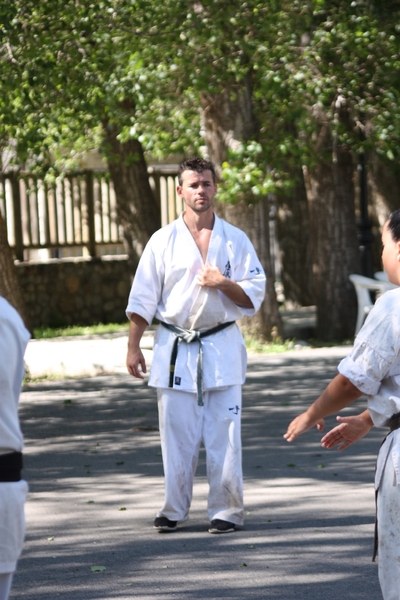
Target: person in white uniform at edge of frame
(372,368)
(13,490)
(197,276)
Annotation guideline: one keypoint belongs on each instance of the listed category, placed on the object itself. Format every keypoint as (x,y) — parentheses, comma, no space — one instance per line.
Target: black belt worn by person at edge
(189,336)
(10,467)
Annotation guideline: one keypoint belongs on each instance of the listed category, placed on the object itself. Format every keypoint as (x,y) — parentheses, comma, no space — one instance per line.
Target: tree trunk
(384,193)
(293,222)
(138,210)
(384,179)
(10,287)
(228,121)
(334,241)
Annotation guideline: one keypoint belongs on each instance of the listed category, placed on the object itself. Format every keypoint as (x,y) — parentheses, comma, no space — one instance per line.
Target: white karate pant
(183,426)
(12,523)
(389,533)
(5,585)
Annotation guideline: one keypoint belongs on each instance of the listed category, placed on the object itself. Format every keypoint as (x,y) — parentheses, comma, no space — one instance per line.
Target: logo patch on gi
(235,410)
(227,272)
(257,271)
(177,381)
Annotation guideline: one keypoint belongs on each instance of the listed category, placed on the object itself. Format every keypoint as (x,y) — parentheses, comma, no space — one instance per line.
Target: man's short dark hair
(394,225)
(195,164)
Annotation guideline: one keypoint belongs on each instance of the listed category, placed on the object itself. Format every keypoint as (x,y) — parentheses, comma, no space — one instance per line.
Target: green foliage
(70,69)
(336,65)
(246,175)
(278,346)
(75,68)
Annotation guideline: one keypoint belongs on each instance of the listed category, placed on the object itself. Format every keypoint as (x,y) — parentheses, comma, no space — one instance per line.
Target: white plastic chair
(363,286)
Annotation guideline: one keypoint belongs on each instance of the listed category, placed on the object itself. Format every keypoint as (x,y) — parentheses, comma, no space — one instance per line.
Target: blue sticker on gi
(177,381)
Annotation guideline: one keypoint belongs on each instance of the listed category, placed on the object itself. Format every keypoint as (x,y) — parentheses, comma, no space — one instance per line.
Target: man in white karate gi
(197,276)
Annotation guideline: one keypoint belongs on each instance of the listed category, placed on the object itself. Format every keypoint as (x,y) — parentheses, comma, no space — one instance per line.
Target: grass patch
(43,378)
(275,347)
(321,344)
(252,343)
(74,330)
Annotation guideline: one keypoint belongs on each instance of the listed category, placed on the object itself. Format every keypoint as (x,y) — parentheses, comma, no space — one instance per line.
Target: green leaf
(390,154)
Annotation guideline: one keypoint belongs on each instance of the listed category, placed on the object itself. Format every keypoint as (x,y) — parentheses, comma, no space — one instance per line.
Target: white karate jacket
(13,340)
(373,366)
(165,287)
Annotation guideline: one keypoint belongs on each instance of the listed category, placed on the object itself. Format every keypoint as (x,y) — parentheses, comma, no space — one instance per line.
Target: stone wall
(77,291)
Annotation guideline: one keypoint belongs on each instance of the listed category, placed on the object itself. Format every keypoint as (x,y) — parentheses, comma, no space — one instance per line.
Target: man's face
(197,190)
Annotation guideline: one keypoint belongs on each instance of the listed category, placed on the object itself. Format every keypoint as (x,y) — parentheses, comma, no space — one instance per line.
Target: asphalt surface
(93,463)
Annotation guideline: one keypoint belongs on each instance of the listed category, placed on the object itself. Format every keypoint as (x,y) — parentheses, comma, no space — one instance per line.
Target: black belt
(10,466)
(394,423)
(189,336)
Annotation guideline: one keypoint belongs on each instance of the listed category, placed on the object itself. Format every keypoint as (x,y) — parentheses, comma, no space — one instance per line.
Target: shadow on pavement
(93,463)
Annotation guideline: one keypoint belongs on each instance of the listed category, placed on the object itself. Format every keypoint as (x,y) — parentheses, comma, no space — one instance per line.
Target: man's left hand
(210,276)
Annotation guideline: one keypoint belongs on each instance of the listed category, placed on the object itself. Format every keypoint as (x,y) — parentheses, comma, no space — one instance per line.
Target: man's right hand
(134,360)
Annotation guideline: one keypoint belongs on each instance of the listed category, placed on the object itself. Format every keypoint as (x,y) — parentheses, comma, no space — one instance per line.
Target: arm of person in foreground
(210,276)
(339,393)
(135,358)
(350,430)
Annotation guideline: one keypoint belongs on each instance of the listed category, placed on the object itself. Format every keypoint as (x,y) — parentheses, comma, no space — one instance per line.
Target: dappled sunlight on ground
(93,462)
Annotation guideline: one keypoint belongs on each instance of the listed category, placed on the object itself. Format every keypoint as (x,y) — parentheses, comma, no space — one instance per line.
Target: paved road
(94,467)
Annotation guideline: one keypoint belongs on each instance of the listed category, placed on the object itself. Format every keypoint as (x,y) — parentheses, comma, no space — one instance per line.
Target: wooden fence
(77,211)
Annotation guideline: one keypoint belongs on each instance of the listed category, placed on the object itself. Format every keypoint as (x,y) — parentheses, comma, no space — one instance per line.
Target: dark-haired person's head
(199,165)
(391,247)
(393,224)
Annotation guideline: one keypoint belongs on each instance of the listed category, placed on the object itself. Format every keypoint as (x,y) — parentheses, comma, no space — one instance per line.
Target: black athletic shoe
(164,524)
(219,526)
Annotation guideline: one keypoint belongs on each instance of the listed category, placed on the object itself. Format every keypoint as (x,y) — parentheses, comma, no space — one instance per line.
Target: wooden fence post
(17,214)
(90,209)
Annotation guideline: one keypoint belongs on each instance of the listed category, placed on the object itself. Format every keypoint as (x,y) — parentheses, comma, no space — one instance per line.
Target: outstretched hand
(350,430)
(339,393)
(300,425)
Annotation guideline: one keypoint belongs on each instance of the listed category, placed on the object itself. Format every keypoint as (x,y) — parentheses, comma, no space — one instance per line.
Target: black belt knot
(188,336)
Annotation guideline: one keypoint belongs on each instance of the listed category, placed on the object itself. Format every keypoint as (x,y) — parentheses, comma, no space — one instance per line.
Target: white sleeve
(147,285)
(376,347)
(249,274)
